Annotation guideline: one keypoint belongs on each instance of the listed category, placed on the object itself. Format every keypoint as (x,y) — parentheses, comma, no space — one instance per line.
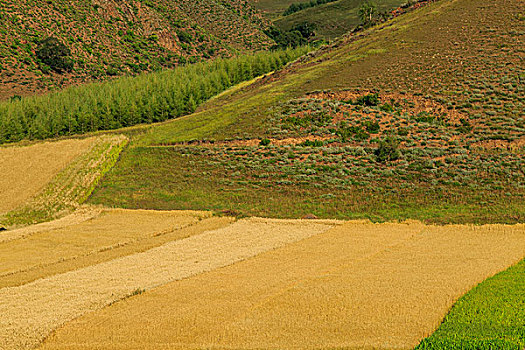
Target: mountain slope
(335,18)
(108,38)
(441,141)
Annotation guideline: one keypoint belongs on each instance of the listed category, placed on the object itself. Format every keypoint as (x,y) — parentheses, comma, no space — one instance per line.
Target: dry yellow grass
(31,311)
(101,236)
(359,286)
(26,170)
(70,187)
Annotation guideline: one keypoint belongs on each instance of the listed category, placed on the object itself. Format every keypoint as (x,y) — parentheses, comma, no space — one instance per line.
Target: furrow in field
(357,286)
(31,311)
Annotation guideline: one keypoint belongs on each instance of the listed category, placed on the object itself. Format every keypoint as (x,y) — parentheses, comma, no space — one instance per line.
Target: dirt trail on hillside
(356,286)
(30,312)
(26,170)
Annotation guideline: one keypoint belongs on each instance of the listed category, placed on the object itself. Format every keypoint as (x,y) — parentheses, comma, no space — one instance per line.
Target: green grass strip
(491,316)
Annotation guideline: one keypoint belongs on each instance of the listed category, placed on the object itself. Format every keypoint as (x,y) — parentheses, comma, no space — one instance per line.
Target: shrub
(367,12)
(184,37)
(388,150)
(368,100)
(265,142)
(372,127)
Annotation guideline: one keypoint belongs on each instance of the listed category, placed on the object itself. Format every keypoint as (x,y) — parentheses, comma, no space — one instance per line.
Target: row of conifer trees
(129,101)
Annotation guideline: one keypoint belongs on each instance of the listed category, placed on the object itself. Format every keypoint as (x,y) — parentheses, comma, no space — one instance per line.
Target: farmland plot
(46,182)
(26,170)
(103,235)
(31,311)
(356,286)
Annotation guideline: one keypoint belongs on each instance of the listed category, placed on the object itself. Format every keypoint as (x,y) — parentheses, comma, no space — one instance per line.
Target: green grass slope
(272,8)
(491,316)
(333,19)
(112,38)
(443,143)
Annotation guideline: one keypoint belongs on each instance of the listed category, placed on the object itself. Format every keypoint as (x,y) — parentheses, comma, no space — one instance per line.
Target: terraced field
(31,311)
(380,128)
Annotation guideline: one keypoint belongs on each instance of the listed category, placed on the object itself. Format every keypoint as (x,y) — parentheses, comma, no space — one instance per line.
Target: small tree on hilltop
(367,12)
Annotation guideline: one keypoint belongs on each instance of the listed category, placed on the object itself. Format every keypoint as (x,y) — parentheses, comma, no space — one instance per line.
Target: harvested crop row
(30,312)
(26,170)
(357,286)
(96,240)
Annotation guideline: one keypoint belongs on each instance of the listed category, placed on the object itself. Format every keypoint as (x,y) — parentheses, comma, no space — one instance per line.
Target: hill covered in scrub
(105,38)
(389,123)
(331,18)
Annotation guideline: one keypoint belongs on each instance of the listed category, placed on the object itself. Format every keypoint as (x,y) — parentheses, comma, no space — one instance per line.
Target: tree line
(128,101)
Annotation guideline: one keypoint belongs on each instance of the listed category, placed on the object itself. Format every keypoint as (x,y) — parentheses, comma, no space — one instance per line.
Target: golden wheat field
(31,311)
(21,180)
(355,286)
(99,235)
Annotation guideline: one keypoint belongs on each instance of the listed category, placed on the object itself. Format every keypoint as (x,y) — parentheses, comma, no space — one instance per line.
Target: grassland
(360,285)
(32,310)
(456,116)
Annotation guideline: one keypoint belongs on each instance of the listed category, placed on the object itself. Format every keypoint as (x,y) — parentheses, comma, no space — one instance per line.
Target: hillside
(272,8)
(387,124)
(112,38)
(331,19)
(369,193)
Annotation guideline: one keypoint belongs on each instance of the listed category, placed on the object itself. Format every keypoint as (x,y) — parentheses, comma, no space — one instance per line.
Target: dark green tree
(367,12)
(54,54)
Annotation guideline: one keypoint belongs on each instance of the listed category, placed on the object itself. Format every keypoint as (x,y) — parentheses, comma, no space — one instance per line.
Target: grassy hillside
(272,8)
(112,38)
(333,19)
(442,141)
